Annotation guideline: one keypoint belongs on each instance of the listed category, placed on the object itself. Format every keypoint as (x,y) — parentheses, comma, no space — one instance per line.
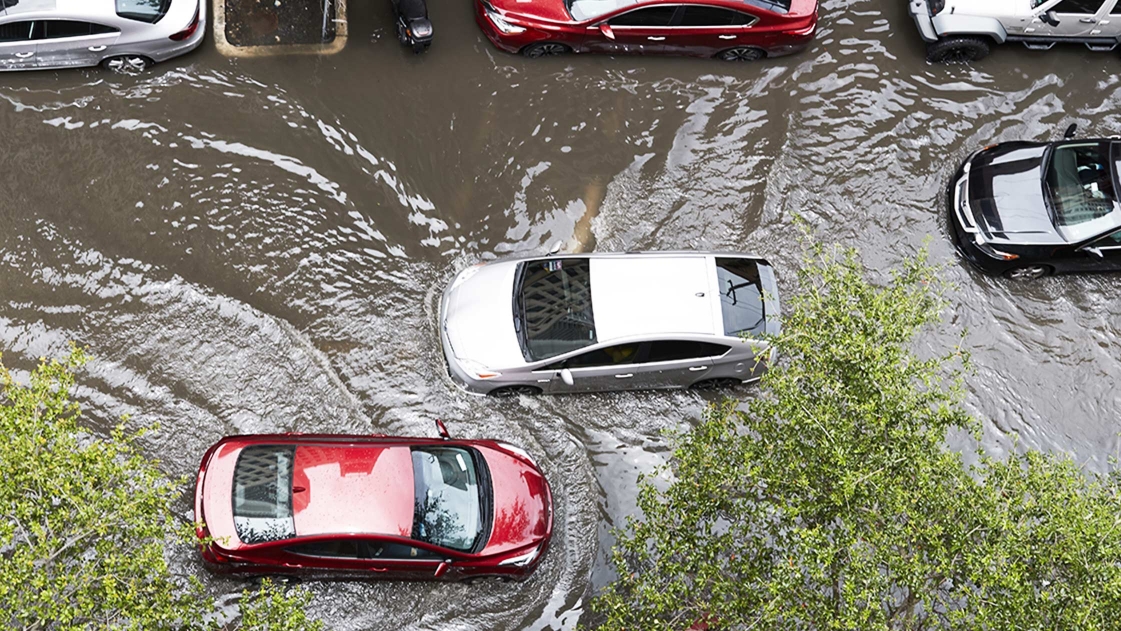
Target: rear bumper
(187,45)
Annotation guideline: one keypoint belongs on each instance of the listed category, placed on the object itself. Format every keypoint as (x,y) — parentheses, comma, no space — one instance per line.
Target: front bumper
(963,238)
(511,43)
(455,370)
(920,12)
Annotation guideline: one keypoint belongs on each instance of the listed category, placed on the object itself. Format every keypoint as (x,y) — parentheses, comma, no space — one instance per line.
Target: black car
(1029,209)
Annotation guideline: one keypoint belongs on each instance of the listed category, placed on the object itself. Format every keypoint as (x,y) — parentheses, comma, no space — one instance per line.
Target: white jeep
(959,31)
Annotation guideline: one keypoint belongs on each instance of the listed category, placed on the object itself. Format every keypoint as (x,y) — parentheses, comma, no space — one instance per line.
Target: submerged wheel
(1028,272)
(507,392)
(957,50)
(127,64)
(545,49)
(743,53)
(710,385)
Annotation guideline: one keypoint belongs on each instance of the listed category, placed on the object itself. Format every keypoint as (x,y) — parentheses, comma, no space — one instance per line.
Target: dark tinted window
(676,350)
(16,31)
(741,296)
(713,16)
(1078,6)
(150,11)
(338,548)
(653,16)
(553,311)
(777,6)
(617,355)
(262,497)
(447,509)
(58,29)
(394,550)
(1116,10)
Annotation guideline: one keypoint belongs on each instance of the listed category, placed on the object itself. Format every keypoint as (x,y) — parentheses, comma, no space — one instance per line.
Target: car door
(645,31)
(73,43)
(327,558)
(17,45)
(1069,18)
(613,367)
(1101,255)
(1110,22)
(399,560)
(680,363)
(708,30)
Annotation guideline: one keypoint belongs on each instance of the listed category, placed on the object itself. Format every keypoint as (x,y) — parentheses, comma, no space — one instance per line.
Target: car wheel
(507,392)
(127,64)
(1028,272)
(743,53)
(710,385)
(957,50)
(545,49)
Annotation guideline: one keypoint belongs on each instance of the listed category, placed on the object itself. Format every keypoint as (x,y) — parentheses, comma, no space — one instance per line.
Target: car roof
(64,7)
(651,295)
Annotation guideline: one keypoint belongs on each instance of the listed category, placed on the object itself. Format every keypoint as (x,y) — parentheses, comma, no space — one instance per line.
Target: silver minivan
(597,322)
(122,35)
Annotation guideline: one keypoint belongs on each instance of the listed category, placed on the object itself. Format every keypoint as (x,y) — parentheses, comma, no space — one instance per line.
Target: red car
(729,29)
(335,506)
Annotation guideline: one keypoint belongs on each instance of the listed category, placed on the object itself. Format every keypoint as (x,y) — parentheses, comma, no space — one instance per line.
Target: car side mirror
(443,430)
(1094,252)
(1069,133)
(1049,18)
(605,28)
(443,568)
(566,376)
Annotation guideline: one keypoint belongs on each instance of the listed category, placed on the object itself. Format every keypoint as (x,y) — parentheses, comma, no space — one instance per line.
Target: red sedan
(727,29)
(334,506)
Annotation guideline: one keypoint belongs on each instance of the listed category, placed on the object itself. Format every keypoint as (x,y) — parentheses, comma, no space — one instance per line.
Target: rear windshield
(553,307)
(1080,187)
(451,498)
(741,296)
(150,11)
(263,494)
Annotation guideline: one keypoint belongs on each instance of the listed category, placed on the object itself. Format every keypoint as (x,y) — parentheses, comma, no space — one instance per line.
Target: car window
(778,6)
(16,31)
(150,11)
(1080,188)
(335,548)
(1112,240)
(393,550)
(677,350)
(1078,6)
(447,505)
(553,307)
(1116,10)
(741,296)
(698,15)
(59,29)
(650,16)
(262,494)
(617,355)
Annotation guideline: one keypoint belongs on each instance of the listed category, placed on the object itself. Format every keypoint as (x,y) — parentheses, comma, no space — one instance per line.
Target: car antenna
(1069,133)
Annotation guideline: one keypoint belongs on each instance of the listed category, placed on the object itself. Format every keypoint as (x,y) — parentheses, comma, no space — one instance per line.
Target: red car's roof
(352,488)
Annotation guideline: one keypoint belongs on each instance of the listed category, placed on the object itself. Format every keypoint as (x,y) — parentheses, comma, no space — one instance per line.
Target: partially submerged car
(733,30)
(122,35)
(340,506)
(959,31)
(1030,209)
(595,322)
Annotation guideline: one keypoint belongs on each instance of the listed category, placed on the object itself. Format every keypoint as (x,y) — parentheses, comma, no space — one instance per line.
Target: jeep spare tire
(957,50)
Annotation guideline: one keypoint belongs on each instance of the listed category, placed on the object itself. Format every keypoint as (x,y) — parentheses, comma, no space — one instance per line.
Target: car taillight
(189,31)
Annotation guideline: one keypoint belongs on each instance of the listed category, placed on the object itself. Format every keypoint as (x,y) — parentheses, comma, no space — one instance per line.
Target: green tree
(85,522)
(831,501)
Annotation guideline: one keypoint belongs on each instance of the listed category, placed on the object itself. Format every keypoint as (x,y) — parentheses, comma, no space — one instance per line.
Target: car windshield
(553,307)
(150,11)
(1080,186)
(262,495)
(448,506)
(741,296)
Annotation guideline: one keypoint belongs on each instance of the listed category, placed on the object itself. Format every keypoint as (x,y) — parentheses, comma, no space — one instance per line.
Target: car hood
(995,8)
(478,316)
(523,504)
(536,10)
(1006,195)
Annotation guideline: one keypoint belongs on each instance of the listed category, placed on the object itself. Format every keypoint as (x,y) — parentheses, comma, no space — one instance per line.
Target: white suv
(962,30)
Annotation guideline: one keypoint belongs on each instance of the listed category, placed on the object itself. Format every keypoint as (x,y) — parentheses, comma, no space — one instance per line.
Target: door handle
(626,376)
(655,39)
(727,37)
(24,55)
(97,49)
(697,368)
(1087,20)
(379,569)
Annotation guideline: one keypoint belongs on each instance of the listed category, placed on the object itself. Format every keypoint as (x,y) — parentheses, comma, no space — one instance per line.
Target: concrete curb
(230,50)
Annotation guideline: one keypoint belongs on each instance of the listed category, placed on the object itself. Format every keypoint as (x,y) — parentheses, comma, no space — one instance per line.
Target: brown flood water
(258,245)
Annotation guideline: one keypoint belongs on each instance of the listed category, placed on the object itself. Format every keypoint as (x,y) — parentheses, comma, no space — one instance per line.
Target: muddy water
(258,245)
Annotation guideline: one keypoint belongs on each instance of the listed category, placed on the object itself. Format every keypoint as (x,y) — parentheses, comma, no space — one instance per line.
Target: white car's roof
(65,7)
(652,295)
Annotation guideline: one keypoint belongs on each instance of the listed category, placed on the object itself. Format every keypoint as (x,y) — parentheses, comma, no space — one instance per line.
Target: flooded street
(259,245)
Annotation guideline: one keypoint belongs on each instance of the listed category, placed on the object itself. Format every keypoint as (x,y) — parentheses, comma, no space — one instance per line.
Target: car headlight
(478,370)
(992,252)
(503,25)
(518,450)
(936,6)
(522,560)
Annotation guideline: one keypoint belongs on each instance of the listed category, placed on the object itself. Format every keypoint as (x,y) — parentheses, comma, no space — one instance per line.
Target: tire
(742,53)
(1028,272)
(712,385)
(545,49)
(127,64)
(509,392)
(957,50)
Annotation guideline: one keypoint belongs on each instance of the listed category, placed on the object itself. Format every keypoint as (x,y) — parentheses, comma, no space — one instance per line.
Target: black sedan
(1029,209)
